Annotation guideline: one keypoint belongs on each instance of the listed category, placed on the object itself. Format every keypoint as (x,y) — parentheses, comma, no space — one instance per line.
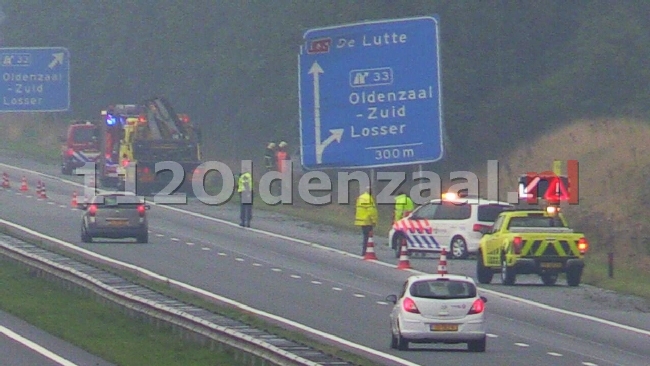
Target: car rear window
(114,200)
(536,221)
(443,289)
(490,212)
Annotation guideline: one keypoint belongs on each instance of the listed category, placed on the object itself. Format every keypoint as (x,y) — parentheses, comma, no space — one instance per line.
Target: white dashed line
(239,259)
(205,248)
(174,239)
(257,264)
(50,203)
(295,276)
(490,335)
(521,345)
(189,243)
(554,354)
(222,254)
(359,295)
(63,206)
(276,270)
(337,289)
(589,364)
(316,282)
(160,235)
(382,303)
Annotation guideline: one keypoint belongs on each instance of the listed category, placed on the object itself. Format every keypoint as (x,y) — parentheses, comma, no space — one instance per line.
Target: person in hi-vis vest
(403,206)
(245,190)
(366,216)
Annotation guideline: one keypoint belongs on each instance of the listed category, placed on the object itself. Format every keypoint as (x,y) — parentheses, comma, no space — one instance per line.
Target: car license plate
(551,265)
(444,327)
(118,222)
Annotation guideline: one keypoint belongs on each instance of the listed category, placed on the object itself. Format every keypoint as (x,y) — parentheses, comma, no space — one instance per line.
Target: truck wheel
(573,277)
(483,273)
(458,248)
(508,275)
(549,279)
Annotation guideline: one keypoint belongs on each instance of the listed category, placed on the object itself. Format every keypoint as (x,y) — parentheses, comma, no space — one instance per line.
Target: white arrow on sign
(57,60)
(336,134)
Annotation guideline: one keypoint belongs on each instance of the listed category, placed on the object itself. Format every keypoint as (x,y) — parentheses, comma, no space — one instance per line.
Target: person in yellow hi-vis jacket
(403,206)
(245,190)
(366,216)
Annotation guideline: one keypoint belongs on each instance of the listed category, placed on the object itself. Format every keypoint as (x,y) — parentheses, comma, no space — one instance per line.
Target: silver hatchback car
(115,215)
(438,308)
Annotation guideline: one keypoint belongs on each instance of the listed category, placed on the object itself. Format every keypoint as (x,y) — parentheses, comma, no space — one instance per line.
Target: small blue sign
(35,79)
(370,94)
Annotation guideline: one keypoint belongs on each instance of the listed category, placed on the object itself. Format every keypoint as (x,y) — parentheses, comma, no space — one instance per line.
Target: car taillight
(69,152)
(477,307)
(583,245)
(125,162)
(92,210)
(479,227)
(409,305)
(141,210)
(517,244)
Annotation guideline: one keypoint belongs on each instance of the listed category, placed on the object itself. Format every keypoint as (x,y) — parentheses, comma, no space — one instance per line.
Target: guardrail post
(610,264)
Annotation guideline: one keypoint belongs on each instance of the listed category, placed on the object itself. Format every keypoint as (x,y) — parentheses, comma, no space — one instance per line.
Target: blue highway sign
(35,79)
(370,94)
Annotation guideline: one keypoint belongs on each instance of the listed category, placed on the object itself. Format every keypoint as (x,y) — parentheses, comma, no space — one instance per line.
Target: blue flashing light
(110,120)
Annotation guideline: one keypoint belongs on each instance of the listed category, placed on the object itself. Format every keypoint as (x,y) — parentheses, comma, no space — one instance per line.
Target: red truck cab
(80,146)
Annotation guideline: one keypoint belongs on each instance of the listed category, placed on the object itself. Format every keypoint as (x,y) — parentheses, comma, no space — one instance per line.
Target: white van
(450,223)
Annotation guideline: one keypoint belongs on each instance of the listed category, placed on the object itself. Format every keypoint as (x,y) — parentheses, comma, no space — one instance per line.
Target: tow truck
(136,137)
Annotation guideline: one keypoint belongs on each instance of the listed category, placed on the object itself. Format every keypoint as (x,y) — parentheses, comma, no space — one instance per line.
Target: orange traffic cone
(404,262)
(23,185)
(442,264)
(370,249)
(43,194)
(74,200)
(5,180)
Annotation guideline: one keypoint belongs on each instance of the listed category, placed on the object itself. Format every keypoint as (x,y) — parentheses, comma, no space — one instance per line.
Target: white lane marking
(337,289)
(295,276)
(50,203)
(239,259)
(316,282)
(63,206)
(391,265)
(161,235)
(35,347)
(189,243)
(174,239)
(589,364)
(554,354)
(382,303)
(205,248)
(521,345)
(257,265)
(202,292)
(222,254)
(276,270)
(359,295)
(490,335)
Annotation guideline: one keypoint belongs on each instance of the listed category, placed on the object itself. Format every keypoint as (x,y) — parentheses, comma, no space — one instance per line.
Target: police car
(453,223)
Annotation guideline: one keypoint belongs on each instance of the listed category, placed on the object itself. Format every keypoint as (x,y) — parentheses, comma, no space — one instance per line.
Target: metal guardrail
(253,345)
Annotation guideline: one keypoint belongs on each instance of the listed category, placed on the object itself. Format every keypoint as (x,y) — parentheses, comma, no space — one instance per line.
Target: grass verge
(626,280)
(99,329)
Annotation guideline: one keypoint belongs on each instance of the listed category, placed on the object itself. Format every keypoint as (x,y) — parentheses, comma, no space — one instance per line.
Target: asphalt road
(334,291)
(22,344)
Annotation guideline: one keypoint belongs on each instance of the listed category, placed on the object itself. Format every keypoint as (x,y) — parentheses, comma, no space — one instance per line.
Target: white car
(438,308)
(452,223)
